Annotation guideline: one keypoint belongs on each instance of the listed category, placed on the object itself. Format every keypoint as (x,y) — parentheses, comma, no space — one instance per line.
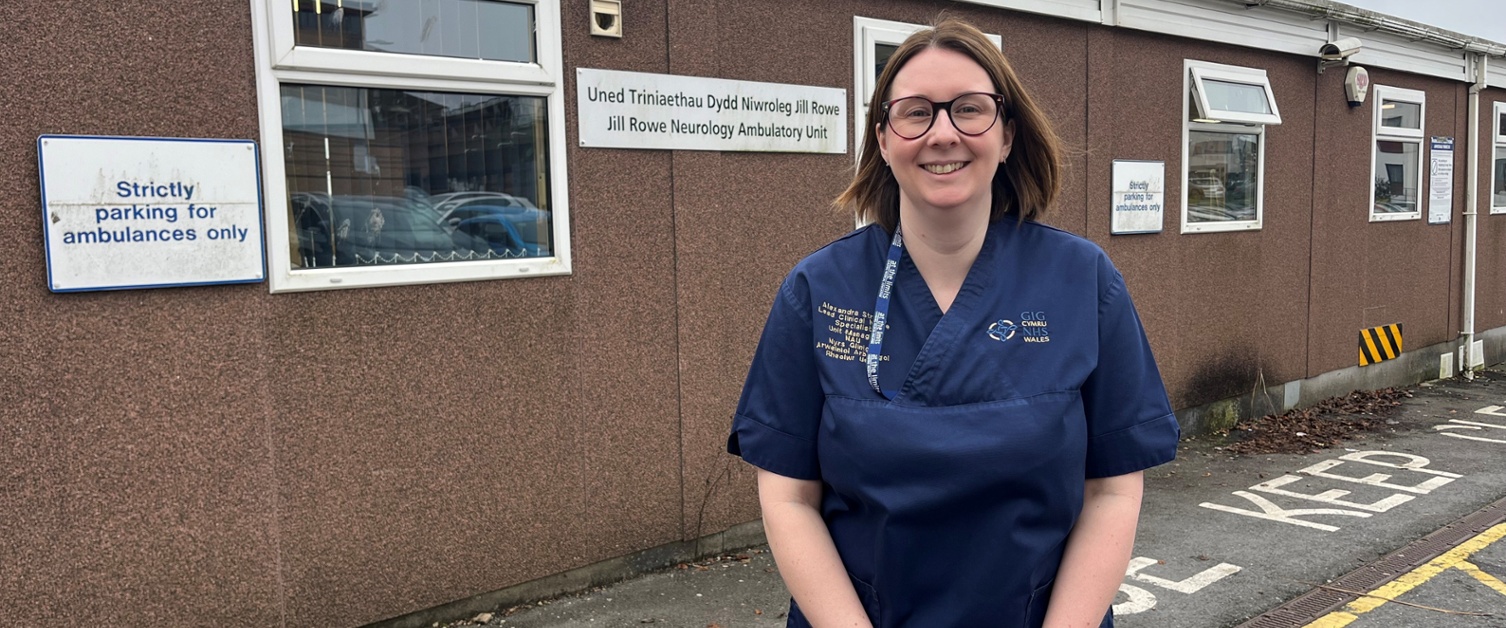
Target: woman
(950,408)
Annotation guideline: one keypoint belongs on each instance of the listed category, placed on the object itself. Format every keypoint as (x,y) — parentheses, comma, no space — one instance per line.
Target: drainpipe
(1471,198)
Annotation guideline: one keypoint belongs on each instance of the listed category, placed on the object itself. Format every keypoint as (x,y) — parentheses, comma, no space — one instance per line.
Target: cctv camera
(1340,49)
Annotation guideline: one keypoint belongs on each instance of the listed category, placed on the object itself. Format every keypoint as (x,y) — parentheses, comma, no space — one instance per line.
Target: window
(1396,161)
(416,142)
(874,41)
(1223,139)
(1498,165)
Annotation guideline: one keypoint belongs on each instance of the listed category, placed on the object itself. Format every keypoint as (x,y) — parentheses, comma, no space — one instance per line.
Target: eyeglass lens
(971,114)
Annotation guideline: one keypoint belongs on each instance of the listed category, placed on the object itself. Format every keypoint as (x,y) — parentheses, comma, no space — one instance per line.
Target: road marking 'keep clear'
(1139,600)
(1457,424)
(1270,511)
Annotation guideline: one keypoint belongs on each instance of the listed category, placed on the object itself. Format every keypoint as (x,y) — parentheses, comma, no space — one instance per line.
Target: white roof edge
(1375,20)
(1438,52)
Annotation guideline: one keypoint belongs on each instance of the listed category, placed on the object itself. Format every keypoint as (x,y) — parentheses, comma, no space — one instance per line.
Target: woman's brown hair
(1026,183)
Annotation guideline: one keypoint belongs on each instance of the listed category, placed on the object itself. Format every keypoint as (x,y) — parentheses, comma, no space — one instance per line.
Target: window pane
(881,54)
(1501,125)
(467,29)
(1498,191)
(1223,171)
(1242,97)
(1401,115)
(1396,171)
(381,176)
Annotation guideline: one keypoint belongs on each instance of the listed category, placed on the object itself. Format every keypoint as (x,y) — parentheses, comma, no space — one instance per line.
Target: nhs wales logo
(1031,328)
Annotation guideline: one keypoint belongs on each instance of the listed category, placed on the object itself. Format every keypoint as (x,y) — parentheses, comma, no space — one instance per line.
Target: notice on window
(664,111)
(1139,196)
(1440,180)
(133,212)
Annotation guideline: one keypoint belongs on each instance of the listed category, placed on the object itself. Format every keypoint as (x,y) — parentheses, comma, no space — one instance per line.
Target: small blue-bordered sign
(150,212)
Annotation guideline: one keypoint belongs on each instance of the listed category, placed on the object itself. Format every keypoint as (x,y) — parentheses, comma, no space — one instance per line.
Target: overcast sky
(1481,18)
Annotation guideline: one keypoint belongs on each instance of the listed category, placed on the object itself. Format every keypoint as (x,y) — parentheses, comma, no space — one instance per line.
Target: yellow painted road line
(1484,578)
(1457,557)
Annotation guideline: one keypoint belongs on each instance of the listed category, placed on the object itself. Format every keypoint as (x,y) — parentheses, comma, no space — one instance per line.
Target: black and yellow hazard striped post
(1378,344)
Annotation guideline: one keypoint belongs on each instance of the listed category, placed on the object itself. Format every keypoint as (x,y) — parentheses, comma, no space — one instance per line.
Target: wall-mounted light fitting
(606,18)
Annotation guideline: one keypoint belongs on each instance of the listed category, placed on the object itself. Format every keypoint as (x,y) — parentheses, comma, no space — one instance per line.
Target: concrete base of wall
(1412,367)
(582,578)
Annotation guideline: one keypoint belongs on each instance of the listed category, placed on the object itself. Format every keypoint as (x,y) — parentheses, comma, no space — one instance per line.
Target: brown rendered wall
(1490,260)
(1374,273)
(222,455)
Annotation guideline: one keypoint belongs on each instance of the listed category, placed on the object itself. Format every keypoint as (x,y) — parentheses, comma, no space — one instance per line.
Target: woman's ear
(883,141)
(1008,141)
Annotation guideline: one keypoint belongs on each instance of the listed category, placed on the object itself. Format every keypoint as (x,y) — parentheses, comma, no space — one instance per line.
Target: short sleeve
(775,425)
(1131,426)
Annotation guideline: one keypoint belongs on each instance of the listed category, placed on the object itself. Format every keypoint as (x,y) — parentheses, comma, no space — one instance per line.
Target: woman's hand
(806,556)
(1097,553)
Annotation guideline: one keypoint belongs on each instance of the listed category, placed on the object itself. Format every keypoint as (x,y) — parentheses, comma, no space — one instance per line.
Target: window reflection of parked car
(1204,189)
(528,224)
(446,202)
(501,236)
(357,230)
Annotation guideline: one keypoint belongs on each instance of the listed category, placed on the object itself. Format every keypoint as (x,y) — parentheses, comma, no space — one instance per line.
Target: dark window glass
(467,29)
(1229,96)
(381,176)
(1498,191)
(1396,172)
(881,54)
(1401,115)
(1223,176)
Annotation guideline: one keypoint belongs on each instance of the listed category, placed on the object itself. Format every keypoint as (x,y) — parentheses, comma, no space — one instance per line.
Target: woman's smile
(944,168)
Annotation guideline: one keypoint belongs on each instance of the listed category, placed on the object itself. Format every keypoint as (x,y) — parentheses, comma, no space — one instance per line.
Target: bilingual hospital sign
(141,212)
(671,112)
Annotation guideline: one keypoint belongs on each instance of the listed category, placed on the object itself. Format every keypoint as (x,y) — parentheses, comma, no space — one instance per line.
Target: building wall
(1490,260)
(224,455)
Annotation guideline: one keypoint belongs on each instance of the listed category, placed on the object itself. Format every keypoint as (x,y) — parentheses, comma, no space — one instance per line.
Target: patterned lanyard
(881,313)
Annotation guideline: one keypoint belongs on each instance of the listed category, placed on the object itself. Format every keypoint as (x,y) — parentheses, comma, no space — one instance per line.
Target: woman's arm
(806,556)
(1097,553)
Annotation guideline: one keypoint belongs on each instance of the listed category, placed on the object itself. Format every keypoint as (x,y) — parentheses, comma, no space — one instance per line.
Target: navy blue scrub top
(950,504)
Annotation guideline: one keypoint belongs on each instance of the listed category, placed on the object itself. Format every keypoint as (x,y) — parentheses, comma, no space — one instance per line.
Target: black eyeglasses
(973,113)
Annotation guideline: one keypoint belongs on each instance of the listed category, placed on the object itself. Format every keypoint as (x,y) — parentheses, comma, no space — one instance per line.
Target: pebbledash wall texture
(231,456)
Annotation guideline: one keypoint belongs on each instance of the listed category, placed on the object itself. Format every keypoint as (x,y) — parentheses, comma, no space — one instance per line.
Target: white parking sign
(134,212)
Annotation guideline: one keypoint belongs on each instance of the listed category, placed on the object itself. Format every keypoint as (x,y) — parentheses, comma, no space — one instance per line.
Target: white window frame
(867,34)
(1233,74)
(1193,72)
(279,60)
(1498,144)
(1382,93)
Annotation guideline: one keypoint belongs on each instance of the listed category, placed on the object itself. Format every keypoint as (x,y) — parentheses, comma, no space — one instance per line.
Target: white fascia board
(1495,74)
(1226,23)
(1282,31)
(1083,10)
(1383,50)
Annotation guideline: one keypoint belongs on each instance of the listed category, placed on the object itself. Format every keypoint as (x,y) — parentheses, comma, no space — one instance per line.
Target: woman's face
(944,170)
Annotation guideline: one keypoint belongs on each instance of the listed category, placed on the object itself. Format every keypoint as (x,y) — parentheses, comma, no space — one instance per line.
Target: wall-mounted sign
(135,212)
(664,111)
(1441,180)
(1139,196)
